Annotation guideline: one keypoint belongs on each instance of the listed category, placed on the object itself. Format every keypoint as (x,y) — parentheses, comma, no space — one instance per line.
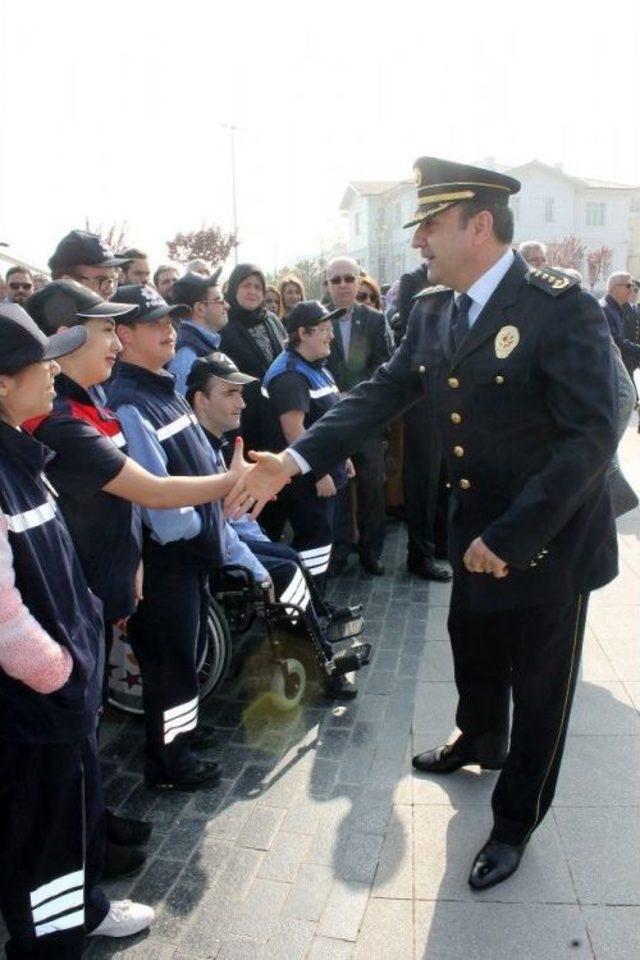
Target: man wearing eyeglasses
(86,258)
(19,285)
(199,335)
(362,342)
(620,293)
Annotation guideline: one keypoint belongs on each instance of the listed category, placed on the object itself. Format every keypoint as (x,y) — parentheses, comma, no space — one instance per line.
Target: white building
(551,205)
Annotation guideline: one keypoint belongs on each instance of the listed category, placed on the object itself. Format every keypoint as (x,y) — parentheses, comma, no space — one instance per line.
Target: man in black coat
(519,365)
(423,480)
(362,342)
(617,306)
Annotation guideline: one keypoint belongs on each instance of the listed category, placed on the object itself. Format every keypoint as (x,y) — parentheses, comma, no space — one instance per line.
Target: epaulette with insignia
(553,281)
(429,291)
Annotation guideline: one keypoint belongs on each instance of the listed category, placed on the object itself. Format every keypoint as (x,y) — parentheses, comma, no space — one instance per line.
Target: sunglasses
(629,286)
(349,278)
(15,285)
(361,297)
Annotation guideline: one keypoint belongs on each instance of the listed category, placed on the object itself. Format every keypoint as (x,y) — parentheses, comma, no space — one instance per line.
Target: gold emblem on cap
(417,172)
(507,339)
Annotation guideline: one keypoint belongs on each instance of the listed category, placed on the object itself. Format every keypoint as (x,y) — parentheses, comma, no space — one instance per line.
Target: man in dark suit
(618,309)
(362,342)
(423,479)
(519,364)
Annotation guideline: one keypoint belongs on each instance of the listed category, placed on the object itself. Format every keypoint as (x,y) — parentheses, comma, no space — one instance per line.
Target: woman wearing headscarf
(253,338)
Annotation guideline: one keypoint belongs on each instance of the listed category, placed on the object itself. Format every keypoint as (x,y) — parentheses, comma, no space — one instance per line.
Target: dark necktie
(460,320)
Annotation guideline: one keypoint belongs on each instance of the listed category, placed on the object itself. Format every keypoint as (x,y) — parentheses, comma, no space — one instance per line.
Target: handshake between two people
(260,482)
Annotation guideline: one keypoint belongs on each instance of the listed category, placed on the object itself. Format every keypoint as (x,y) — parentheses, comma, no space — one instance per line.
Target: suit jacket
(239,344)
(370,346)
(631,333)
(527,413)
(629,349)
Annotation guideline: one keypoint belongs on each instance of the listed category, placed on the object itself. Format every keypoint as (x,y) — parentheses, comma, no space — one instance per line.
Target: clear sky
(114,111)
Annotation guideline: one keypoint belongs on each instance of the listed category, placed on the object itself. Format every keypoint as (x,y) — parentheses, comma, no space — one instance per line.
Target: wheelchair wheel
(214,657)
(288,683)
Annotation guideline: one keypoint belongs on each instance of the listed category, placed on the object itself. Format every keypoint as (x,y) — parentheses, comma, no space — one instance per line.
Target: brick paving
(319,844)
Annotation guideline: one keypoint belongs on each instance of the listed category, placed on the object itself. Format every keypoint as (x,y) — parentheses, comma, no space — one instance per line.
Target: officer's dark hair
(192,389)
(501,213)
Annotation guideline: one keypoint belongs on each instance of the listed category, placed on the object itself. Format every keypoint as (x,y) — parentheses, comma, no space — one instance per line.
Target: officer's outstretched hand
(479,559)
(259,483)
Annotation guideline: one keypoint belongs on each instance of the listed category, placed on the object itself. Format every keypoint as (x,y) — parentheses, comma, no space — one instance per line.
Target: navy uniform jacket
(369,347)
(528,417)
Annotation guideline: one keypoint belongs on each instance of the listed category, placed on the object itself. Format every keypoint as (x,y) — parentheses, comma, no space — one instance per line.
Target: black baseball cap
(22,342)
(194,287)
(215,365)
(309,313)
(65,303)
(80,248)
(149,305)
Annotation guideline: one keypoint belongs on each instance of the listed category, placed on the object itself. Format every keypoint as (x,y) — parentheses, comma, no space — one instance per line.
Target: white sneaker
(124,919)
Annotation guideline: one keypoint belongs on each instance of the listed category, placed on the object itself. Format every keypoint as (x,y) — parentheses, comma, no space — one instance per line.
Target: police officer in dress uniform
(519,365)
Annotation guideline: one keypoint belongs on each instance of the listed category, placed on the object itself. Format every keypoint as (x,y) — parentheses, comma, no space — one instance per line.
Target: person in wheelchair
(214,389)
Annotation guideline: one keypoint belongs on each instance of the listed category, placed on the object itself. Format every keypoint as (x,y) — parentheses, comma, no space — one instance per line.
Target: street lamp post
(232,138)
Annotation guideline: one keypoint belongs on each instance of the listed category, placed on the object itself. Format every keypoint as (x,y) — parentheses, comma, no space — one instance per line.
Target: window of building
(548,210)
(595,214)
(356,224)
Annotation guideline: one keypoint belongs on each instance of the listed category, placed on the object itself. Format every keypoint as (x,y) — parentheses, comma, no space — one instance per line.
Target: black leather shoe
(372,566)
(451,757)
(202,775)
(127,832)
(122,861)
(429,569)
(495,862)
(339,688)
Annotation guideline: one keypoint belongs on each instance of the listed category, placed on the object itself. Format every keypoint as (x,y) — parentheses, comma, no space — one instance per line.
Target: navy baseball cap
(80,248)
(309,313)
(149,305)
(218,365)
(65,303)
(194,287)
(23,343)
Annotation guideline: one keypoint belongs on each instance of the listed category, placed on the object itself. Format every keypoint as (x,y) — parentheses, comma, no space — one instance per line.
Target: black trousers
(370,511)
(165,634)
(532,655)
(312,521)
(52,835)
(424,484)
(291,583)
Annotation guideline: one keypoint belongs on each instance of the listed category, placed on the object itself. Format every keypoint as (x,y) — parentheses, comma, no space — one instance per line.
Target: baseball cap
(309,313)
(149,305)
(80,248)
(22,342)
(194,287)
(65,303)
(215,365)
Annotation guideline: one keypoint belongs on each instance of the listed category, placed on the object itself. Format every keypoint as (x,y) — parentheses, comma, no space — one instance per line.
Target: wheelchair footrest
(339,630)
(353,659)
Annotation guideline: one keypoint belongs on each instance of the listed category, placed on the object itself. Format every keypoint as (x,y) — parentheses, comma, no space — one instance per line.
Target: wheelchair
(266,644)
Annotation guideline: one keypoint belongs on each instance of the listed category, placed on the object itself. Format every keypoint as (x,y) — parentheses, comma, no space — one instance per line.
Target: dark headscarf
(249,318)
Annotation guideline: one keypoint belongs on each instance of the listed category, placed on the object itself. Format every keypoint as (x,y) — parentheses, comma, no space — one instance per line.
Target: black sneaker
(122,861)
(126,832)
(202,775)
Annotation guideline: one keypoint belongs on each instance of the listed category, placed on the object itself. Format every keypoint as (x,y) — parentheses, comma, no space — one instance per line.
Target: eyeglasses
(100,282)
(349,278)
(16,285)
(629,286)
(363,295)
(220,300)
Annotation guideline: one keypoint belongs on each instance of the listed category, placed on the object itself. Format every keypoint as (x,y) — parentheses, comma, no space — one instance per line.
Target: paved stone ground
(319,844)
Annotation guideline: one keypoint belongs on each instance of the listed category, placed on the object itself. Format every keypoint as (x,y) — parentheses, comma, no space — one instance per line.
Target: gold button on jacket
(458,451)
(499,379)
(456,418)
(465,484)
(453,382)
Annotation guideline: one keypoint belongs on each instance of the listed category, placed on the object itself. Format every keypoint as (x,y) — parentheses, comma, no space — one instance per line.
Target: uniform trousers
(425,494)
(52,835)
(312,521)
(532,654)
(368,461)
(165,634)
(290,582)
